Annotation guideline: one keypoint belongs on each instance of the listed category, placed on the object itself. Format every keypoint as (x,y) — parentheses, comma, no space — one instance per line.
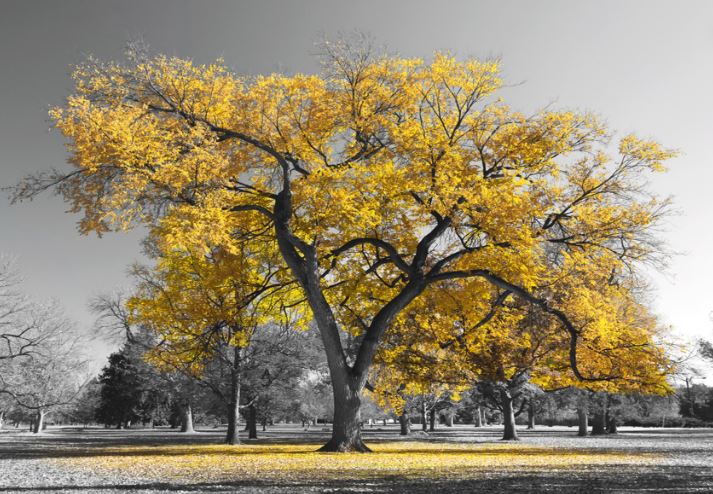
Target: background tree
(53,374)
(122,391)
(22,321)
(84,408)
(206,309)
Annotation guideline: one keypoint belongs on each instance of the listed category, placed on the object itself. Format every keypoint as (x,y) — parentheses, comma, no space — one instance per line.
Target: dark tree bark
(424,417)
(432,420)
(346,431)
(612,427)
(232,436)
(599,424)
(405,424)
(509,432)
(187,418)
(583,421)
(252,421)
(531,415)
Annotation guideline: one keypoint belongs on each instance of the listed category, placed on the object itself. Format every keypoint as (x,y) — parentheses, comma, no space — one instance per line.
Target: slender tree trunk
(405,424)
(509,432)
(424,417)
(583,420)
(599,424)
(232,436)
(531,415)
(478,417)
(449,420)
(346,432)
(264,424)
(2,419)
(252,422)
(612,427)
(187,418)
(432,420)
(39,421)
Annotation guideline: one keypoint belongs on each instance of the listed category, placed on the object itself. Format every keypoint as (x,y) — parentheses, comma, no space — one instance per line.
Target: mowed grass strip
(403,459)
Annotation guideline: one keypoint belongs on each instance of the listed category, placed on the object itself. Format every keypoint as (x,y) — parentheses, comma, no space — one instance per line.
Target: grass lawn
(461,459)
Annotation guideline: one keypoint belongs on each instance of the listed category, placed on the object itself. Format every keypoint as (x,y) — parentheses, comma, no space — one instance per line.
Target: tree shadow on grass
(640,479)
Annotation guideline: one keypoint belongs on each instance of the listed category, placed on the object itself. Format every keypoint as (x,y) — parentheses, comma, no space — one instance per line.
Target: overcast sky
(644,66)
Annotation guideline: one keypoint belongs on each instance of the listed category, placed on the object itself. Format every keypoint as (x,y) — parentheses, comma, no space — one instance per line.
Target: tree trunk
(303,259)
(39,422)
(531,415)
(599,424)
(478,417)
(612,427)
(252,422)
(346,432)
(583,420)
(424,417)
(187,418)
(432,420)
(232,436)
(264,424)
(405,424)
(509,432)
(449,420)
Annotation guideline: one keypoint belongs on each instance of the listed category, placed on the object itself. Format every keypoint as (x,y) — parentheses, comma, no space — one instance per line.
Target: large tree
(376,179)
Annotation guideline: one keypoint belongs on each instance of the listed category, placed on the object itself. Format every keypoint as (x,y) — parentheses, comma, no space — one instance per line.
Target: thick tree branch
(541,303)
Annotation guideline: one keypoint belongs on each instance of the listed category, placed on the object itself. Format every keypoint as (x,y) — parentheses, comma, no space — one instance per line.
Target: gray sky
(645,66)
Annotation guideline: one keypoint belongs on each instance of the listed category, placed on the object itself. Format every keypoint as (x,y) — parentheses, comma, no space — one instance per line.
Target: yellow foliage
(368,160)
(299,462)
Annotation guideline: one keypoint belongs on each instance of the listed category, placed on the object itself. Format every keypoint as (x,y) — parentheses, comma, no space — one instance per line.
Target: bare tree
(20,320)
(53,373)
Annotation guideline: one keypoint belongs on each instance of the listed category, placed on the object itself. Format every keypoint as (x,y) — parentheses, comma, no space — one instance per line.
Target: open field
(461,459)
